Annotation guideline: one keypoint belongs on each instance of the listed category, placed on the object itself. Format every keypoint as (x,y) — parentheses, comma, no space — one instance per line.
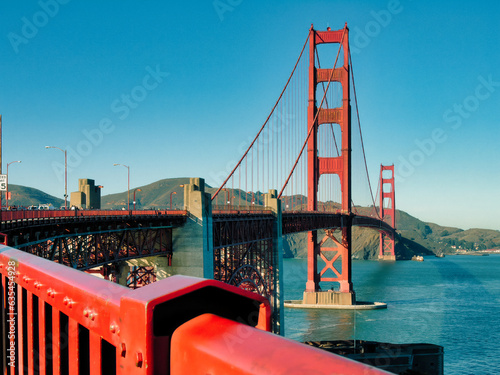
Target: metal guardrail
(233,209)
(43,214)
(57,320)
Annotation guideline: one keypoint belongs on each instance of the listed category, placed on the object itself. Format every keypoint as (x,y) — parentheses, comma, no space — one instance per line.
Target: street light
(128,183)
(65,175)
(174,192)
(227,196)
(134,196)
(7,190)
(253,197)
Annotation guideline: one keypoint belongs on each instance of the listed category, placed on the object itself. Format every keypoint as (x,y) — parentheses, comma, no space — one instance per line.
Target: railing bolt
(124,350)
(86,313)
(138,359)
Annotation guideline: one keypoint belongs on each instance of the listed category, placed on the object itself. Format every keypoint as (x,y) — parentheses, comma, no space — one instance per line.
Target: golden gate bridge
(301,157)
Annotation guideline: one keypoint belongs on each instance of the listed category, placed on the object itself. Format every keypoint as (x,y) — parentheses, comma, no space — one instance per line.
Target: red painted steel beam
(209,344)
(65,289)
(136,324)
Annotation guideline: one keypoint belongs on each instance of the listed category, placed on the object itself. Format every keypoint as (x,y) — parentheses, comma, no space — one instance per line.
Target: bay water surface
(453,302)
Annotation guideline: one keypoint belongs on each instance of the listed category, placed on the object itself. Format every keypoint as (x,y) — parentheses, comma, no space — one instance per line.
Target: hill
(26,196)
(365,245)
(414,235)
(154,195)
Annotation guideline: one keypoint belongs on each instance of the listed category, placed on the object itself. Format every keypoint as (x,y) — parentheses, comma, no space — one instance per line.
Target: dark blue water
(453,302)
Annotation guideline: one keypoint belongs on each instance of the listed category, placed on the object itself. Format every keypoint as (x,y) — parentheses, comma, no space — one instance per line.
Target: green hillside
(414,235)
(25,196)
(365,245)
(154,195)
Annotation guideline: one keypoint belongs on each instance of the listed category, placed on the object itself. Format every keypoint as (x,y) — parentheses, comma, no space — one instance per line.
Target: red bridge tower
(340,165)
(387,196)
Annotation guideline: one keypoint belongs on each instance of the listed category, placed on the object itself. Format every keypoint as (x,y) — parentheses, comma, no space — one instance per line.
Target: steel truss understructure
(93,249)
(245,255)
(140,276)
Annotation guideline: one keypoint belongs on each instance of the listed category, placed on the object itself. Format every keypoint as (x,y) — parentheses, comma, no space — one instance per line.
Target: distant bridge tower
(387,197)
(340,166)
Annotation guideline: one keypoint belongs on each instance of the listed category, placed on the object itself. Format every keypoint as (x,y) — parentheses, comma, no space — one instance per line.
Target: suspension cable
(327,106)
(315,117)
(268,117)
(360,134)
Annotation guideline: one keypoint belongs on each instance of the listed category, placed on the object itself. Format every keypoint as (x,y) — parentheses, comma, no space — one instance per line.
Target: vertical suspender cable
(315,117)
(262,127)
(359,126)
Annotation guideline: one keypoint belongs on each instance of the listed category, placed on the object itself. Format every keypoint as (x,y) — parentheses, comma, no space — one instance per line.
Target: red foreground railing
(57,320)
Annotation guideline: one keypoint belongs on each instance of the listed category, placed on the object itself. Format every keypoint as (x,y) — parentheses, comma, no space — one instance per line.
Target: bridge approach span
(86,239)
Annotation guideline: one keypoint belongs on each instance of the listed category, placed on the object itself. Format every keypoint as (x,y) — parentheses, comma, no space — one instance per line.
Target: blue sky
(206,73)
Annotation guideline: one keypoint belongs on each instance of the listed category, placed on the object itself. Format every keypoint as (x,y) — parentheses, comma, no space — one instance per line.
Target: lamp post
(128,183)
(134,196)
(252,201)
(228,201)
(7,190)
(65,175)
(174,192)
(182,200)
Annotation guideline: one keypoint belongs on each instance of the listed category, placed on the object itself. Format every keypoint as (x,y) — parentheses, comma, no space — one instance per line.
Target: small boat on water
(440,255)
(418,258)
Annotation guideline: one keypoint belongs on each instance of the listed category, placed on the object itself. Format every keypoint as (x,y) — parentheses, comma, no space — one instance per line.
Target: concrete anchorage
(193,243)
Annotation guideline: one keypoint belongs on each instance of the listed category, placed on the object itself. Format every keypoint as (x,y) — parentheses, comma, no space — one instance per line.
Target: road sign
(3,182)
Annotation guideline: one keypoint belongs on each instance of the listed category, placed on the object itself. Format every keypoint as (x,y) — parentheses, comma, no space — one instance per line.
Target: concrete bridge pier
(387,258)
(272,202)
(192,243)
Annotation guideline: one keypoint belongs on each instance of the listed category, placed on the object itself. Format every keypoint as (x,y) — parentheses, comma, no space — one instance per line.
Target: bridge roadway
(303,221)
(24,223)
(85,239)
(238,246)
(43,232)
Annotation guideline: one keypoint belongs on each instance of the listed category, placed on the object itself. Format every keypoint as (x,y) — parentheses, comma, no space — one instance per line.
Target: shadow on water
(452,301)
(470,330)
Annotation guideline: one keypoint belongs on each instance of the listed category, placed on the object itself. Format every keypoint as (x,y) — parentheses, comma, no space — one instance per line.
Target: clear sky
(204,75)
